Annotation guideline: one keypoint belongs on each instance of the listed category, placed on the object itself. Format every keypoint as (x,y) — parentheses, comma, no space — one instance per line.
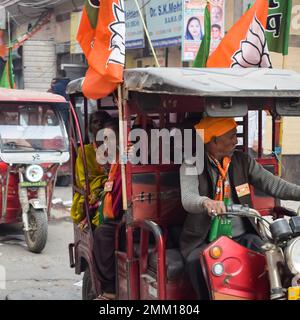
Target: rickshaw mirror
(226,107)
(288,107)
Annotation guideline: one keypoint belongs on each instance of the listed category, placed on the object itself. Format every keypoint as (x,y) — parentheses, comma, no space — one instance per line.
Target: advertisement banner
(134,27)
(193,26)
(295,19)
(164,22)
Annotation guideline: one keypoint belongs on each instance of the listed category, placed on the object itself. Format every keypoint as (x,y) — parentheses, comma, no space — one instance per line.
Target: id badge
(108,186)
(242,190)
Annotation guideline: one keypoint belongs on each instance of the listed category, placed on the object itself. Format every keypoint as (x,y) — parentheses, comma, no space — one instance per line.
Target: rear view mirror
(288,107)
(226,107)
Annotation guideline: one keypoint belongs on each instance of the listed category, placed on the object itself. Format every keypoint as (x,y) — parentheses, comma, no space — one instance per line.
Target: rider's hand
(214,207)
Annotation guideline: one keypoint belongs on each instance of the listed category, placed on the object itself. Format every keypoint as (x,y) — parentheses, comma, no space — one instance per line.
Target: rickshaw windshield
(32,127)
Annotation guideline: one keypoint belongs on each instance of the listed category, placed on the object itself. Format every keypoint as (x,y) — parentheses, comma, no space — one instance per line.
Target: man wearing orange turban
(215,127)
(225,179)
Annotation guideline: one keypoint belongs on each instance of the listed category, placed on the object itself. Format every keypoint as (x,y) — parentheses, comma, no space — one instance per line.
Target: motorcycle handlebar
(243,211)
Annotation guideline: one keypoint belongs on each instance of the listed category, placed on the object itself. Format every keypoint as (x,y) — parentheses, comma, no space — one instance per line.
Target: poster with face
(193,26)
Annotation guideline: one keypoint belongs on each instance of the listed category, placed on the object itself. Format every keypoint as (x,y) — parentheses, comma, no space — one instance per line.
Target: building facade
(51,45)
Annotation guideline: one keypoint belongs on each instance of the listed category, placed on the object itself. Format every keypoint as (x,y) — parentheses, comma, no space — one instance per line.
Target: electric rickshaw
(177,98)
(33,144)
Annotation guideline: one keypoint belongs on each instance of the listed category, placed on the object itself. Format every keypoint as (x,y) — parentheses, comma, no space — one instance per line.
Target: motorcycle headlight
(292,254)
(34,173)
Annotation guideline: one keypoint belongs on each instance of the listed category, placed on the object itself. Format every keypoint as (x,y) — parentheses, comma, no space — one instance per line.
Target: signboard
(193,26)
(295,18)
(164,22)
(134,27)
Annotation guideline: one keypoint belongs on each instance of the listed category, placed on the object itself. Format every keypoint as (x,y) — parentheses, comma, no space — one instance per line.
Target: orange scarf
(221,225)
(111,200)
(223,186)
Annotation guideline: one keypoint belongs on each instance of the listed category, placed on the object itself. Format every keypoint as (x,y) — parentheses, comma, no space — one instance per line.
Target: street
(45,276)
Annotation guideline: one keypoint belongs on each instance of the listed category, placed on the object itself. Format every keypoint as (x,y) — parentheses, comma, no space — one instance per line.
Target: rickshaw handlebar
(243,211)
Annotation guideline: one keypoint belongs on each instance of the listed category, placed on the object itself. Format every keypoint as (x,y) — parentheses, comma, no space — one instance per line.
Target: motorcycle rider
(226,177)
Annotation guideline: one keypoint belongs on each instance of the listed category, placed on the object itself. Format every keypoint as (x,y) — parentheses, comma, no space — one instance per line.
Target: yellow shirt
(96,180)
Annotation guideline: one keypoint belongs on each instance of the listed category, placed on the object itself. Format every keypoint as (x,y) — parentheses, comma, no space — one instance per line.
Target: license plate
(294,293)
(26,184)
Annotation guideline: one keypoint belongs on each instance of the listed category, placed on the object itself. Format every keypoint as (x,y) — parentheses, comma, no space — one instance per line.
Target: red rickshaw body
(156,271)
(245,278)
(34,142)
(13,213)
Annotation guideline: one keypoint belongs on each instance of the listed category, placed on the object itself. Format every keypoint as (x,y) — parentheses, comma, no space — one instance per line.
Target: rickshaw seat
(174,259)
(174,263)
(155,194)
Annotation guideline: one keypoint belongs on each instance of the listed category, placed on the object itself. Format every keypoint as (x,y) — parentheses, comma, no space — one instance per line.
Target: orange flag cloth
(3,49)
(245,43)
(104,48)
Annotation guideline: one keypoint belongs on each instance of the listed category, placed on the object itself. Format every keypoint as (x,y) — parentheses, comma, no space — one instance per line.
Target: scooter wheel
(87,286)
(36,237)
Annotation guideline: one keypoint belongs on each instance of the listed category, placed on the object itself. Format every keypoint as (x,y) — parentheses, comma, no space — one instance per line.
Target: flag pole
(284,62)
(122,149)
(147,33)
(284,65)
(8,29)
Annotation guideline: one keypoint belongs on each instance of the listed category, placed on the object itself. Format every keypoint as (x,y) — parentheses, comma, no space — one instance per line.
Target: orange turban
(215,127)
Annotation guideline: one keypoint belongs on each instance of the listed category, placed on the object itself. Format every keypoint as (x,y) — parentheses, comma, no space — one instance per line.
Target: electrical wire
(9,3)
(41,4)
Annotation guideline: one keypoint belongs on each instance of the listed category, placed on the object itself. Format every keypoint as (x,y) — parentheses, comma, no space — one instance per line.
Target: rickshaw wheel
(87,286)
(36,237)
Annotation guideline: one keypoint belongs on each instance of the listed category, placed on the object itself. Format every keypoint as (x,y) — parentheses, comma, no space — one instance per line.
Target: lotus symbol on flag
(117,41)
(253,51)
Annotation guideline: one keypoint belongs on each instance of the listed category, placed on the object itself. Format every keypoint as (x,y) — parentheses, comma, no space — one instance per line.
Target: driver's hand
(214,207)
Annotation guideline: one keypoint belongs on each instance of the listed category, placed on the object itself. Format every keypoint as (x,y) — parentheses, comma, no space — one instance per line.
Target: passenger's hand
(214,207)
(130,151)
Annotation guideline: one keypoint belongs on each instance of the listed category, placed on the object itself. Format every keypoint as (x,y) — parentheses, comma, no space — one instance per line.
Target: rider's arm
(191,200)
(271,184)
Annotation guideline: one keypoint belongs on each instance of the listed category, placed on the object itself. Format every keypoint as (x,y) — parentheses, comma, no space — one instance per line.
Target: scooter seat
(174,263)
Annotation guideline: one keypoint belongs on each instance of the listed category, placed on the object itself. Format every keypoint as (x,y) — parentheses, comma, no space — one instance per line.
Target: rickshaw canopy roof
(15,95)
(210,82)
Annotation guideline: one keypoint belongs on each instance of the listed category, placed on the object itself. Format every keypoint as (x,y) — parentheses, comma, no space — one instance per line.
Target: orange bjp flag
(3,49)
(105,50)
(245,43)
(87,27)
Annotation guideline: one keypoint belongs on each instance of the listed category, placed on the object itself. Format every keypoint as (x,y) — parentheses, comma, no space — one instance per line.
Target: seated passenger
(205,193)
(96,174)
(110,213)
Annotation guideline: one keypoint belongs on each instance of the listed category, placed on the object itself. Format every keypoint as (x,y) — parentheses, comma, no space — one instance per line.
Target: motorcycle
(234,272)
(33,144)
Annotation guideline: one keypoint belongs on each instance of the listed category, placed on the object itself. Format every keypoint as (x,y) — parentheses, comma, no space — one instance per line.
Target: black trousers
(104,256)
(194,270)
